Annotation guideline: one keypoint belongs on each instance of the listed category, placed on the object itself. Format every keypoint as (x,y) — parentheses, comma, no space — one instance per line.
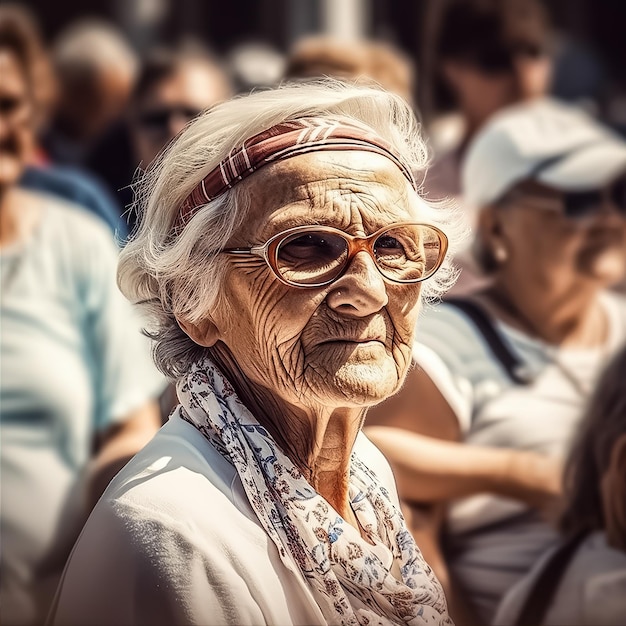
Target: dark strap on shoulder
(545,586)
(512,364)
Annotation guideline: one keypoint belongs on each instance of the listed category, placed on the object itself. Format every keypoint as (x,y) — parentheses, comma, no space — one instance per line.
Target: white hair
(180,276)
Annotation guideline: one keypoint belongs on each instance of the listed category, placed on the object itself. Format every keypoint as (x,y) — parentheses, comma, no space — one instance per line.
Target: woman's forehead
(318,182)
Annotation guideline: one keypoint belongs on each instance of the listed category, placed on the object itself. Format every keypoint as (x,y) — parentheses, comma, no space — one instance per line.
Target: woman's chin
(357,384)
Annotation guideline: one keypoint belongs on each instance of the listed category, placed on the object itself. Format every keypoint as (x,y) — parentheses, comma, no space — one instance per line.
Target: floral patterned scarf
(346,574)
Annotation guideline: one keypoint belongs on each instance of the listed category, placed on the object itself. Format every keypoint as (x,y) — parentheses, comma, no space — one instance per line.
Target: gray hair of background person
(90,44)
(591,455)
(179,275)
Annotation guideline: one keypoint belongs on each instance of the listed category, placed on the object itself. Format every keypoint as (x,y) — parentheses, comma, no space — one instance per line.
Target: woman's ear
(204,333)
(613,490)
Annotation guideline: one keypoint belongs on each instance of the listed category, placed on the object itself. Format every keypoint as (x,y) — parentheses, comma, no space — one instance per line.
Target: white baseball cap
(544,140)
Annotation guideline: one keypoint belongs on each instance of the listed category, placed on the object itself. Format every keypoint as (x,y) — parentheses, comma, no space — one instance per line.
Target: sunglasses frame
(269,250)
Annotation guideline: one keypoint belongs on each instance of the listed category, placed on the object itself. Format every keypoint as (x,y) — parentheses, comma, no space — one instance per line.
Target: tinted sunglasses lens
(408,253)
(311,257)
(159,119)
(154,120)
(493,61)
(618,195)
(582,204)
(500,59)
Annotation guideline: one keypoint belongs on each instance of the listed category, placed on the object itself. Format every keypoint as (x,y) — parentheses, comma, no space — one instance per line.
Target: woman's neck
(317,440)
(565,318)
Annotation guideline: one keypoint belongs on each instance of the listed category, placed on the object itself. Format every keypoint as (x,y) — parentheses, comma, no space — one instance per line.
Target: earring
(500,254)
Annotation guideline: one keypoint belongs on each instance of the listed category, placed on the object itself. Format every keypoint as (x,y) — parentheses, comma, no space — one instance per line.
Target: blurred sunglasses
(12,107)
(501,59)
(577,205)
(160,119)
(315,256)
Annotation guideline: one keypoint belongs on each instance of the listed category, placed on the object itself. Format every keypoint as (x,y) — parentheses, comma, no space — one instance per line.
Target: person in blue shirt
(78,187)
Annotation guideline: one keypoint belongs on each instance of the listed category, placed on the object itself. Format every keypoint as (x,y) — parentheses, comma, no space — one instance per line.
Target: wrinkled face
(16,135)
(349,343)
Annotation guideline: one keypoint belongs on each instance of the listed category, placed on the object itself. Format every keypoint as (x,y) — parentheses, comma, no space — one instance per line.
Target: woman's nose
(361,291)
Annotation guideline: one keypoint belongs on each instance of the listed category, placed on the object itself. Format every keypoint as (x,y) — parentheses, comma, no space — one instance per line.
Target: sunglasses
(14,108)
(577,205)
(316,256)
(160,119)
(499,59)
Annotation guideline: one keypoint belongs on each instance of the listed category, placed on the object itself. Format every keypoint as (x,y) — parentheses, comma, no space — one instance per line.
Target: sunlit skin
(308,362)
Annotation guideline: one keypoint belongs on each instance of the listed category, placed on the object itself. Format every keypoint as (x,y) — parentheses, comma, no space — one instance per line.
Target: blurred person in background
(40,174)
(315,56)
(486,55)
(582,582)
(96,68)
(174,86)
(78,388)
(508,370)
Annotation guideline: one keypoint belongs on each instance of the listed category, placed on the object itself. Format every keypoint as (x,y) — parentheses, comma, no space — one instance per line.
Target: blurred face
(90,104)
(171,104)
(343,345)
(482,92)
(565,238)
(16,137)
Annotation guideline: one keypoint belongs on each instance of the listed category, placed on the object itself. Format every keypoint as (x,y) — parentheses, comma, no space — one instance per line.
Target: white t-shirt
(592,591)
(174,541)
(493,541)
(74,362)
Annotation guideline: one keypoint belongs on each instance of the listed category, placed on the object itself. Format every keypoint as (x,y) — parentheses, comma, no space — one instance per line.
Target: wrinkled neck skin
(317,440)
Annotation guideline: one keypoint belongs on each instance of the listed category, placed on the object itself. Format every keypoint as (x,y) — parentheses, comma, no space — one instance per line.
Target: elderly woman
(510,369)
(281,253)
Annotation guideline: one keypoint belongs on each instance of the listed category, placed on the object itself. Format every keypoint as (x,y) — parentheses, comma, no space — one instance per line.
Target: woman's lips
(362,340)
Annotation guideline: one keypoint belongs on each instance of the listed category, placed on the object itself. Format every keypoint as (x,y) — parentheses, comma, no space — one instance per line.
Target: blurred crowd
(508,440)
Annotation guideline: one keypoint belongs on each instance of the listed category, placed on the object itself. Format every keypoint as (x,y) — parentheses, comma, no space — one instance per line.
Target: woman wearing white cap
(510,369)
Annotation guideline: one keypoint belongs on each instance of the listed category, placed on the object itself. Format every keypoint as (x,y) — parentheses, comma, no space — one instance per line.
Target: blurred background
(254,34)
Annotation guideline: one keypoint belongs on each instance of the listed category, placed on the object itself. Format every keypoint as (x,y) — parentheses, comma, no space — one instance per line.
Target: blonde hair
(180,276)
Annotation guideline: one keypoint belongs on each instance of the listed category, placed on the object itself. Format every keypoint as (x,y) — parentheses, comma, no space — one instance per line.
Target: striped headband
(282,141)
